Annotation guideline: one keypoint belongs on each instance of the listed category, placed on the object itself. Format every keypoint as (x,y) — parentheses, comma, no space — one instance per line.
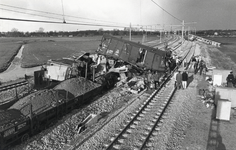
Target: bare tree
(41,30)
(14,30)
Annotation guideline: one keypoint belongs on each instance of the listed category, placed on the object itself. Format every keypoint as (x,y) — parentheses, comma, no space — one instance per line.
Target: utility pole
(182,35)
(146,33)
(161,33)
(130,32)
(160,36)
(188,32)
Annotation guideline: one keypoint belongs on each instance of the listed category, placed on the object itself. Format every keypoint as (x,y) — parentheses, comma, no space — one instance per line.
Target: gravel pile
(9,118)
(64,133)
(77,86)
(41,101)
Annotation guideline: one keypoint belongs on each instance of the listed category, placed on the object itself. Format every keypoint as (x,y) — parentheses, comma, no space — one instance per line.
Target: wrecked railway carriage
(39,110)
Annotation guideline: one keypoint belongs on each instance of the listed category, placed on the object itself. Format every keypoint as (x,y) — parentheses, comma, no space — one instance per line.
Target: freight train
(23,120)
(41,109)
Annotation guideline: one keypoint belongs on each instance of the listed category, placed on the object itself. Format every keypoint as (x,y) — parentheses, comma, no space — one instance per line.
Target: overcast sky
(209,14)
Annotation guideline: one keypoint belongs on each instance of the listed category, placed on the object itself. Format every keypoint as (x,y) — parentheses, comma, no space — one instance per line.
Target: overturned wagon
(134,53)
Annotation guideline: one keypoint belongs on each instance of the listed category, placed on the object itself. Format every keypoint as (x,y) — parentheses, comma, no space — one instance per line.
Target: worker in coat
(179,80)
(184,79)
(230,79)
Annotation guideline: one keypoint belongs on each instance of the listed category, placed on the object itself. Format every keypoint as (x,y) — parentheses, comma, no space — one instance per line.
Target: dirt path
(15,71)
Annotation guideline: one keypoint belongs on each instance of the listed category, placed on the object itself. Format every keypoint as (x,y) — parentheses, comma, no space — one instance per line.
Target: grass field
(40,49)
(7,52)
(228,46)
(37,53)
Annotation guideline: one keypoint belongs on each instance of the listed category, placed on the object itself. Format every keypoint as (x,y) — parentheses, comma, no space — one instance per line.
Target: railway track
(13,85)
(145,121)
(172,40)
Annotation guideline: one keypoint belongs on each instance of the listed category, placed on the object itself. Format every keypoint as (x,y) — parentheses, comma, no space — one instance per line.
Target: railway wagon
(14,126)
(17,124)
(139,55)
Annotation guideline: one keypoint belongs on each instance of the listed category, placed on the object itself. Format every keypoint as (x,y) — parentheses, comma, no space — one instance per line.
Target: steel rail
(14,85)
(134,118)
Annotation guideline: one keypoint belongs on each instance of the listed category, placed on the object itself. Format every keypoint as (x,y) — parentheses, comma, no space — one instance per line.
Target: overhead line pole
(182,35)
(130,32)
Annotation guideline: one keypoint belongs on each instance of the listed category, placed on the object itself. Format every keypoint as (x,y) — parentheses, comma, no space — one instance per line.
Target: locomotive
(25,122)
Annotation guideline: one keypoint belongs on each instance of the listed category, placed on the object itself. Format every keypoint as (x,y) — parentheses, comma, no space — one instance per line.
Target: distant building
(216,34)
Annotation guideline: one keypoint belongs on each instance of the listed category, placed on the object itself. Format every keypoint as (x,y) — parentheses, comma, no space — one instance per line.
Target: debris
(136,84)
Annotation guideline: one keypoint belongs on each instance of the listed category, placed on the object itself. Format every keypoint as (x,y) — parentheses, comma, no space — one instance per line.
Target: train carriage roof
(154,50)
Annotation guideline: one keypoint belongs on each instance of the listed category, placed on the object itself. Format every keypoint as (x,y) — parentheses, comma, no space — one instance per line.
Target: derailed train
(18,126)
(136,54)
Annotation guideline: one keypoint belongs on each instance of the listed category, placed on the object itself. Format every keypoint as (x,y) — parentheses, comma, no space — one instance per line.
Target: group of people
(181,80)
(152,79)
(199,65)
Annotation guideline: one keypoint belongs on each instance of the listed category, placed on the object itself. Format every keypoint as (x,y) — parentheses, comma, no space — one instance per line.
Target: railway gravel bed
(172,131)
(64,131)
(96,142)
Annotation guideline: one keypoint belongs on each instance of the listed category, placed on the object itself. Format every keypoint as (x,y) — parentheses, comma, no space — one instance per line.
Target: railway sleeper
(117,146)
(121,141)
(133,126)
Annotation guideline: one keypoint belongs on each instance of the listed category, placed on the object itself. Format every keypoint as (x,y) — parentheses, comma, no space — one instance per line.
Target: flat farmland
(7,52)
(37,50)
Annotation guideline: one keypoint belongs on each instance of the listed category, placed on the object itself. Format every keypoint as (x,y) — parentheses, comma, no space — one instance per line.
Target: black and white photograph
(117,75)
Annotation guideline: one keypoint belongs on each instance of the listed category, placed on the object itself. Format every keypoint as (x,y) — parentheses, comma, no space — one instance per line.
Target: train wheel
(25,137)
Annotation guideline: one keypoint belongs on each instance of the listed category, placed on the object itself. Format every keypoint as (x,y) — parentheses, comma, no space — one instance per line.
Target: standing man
(179,80)
(196,66)
(184,79)
(230,79)
(156,79)
(201,65)
(149,78)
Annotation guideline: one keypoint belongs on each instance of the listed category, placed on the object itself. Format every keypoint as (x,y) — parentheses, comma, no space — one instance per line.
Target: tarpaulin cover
(56,72)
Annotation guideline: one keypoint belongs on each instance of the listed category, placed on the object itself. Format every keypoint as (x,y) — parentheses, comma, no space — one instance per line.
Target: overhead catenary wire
(29,13)
(166,11)
(72,22)
(56,22)
(50,13)
(42,15)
